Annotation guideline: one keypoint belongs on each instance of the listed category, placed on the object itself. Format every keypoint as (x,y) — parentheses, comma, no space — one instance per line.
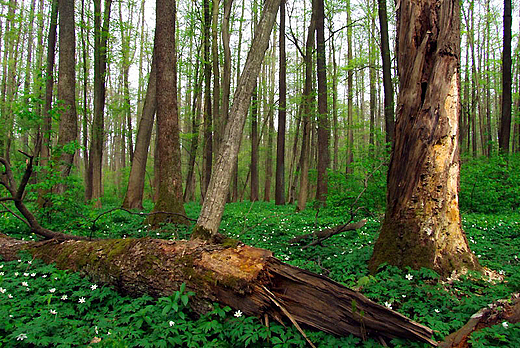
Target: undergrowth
(42,306)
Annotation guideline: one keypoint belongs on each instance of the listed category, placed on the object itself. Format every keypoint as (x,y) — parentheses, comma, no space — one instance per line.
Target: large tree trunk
(68,129)
(242,277)
(134,192)
(422,226)
(169,179)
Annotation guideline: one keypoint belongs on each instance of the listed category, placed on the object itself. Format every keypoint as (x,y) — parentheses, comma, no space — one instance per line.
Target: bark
(208,134)
(242,277)
(279,193)
(214,202)
(254,145)
(134,192)
(68,129)
(85,69)
(323,118)
(226,73)
(49,87)
(387,74)
(422,226)
(307,100)
(94,189)
(350,96)
(169,180)
(217,119)
(505,120)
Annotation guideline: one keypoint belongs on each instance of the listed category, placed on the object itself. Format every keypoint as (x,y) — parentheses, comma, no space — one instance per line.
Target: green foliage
(168,321)
(490,185)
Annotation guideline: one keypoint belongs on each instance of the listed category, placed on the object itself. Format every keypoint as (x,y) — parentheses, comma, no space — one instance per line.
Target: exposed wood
(496,313)
(242,277)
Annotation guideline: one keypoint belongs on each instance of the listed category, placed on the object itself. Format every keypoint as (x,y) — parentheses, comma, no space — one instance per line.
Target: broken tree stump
(242,277)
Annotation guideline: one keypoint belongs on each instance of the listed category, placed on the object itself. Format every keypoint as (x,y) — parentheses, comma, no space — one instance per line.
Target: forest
(277,173)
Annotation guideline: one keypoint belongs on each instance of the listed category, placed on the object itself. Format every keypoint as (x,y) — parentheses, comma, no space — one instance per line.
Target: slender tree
(505,121)
(282,114)
(387,74)
(323,118)
(213,207)
(94,188)
(134,192)
(208,120)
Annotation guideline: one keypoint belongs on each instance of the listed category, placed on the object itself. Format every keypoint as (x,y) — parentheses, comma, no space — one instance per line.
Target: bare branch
(7,210)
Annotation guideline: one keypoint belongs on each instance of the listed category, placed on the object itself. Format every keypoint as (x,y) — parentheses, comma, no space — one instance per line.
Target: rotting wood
(241,277)
(499,312)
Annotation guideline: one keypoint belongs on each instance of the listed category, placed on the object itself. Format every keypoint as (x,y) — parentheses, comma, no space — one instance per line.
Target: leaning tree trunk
(422,226)
(241,277)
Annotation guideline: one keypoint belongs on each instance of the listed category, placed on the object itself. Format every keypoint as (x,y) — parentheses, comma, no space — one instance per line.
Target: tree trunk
(217,119)
(323,118)
(306,111)
(387,74)
(208,135)
(279,193)
(94,189)
(169,180)
(505,120)
(247,279)
(254,145)
(422,226)
(45,151)
(134,192)
(350,96)
(213,207)
(68,129)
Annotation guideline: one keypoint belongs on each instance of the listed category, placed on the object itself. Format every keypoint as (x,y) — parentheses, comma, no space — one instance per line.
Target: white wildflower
(505,324)
(2,290)
(171,323)
(25,284)
(437,310)
(409,276)
(9,296)
(53,311)
(388,305)
(21,337)
(33,274)
(238,313)
(64,297)
(52,291)
(93,287)
(81,300)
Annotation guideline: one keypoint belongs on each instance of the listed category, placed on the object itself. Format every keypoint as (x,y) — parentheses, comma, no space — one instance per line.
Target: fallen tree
(225,271)
(319,236)
(234,274)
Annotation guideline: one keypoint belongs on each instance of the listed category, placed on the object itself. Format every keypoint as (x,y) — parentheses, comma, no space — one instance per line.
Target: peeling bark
(239,276)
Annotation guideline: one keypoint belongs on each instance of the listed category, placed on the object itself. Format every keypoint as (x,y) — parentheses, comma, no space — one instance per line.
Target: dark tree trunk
(135,190)
(350,96)
(94,189)
(279,193)
(49,86)
(169,180)
(244,278)
(505,121)
(422,226)
(208,125)
(68,129)
(307,100)
(254,145)
(387,72)
(323,118)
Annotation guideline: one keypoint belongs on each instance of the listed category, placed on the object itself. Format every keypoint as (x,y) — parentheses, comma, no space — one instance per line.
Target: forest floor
(42,306)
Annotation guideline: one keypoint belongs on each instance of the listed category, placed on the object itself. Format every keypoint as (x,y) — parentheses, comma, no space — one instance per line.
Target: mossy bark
(422,226)
(242,277)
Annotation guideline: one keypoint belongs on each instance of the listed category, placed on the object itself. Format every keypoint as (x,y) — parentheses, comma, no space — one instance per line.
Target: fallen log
(507,311)
(319,236)
(242,277)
